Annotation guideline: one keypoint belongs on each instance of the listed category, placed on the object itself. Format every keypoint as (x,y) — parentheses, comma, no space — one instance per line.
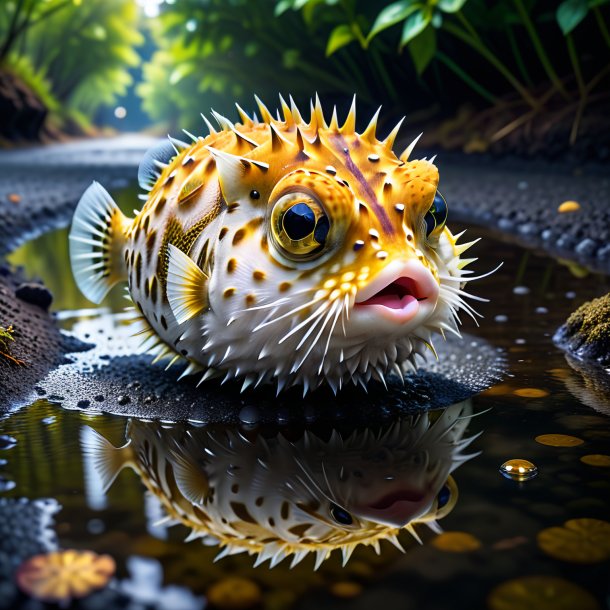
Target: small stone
(35,294)
(586,247)
(7,442)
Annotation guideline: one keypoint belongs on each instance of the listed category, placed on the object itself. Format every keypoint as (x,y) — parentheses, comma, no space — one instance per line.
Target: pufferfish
(275,498)
(281,251)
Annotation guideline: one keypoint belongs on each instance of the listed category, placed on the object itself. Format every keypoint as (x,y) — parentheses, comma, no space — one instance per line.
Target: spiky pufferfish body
(274,498)
(269,251)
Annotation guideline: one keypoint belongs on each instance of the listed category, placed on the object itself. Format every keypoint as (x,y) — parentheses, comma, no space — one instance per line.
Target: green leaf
(422,49)
(180,72)
(393,14)
(570,13)
(338,38)
(290,58)
(414,24)
(451,6)
(282,6)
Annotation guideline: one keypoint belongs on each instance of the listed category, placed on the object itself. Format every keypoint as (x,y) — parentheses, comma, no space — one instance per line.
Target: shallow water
(542,394)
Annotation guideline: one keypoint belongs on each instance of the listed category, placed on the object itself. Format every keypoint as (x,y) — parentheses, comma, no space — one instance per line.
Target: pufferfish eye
(340,515)
(436,216)
(443,496)
(299,225)
(446,498)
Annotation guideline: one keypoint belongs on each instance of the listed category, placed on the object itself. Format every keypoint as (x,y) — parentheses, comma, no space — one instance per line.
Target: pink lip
(399,292)
(398,507)
(400,495)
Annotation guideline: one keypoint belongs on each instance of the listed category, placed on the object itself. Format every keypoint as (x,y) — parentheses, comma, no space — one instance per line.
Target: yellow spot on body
(531,393)
(568,206)
(231,265)
(335,294)
(348,277)
(328,284)
(239,235)
(250,299)
(541,593)
(519,470)
(577,541)
(229,292)
(284,286)
(456,542)
(596,459)
(259,276)
(346,287)
(558,440)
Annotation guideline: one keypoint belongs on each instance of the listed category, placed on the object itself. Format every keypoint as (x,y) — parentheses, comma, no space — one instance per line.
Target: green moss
(592,320)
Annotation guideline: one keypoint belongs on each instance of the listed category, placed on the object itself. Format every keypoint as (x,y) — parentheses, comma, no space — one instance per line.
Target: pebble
(35,294)
(521,290)
(7,442)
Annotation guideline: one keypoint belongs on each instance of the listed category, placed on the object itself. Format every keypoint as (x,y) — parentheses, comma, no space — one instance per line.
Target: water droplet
(521,290)
(249,415)
(542,310)
(501,318)
(519,470)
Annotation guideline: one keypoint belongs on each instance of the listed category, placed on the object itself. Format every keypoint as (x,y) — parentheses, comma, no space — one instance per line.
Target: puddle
(493,524)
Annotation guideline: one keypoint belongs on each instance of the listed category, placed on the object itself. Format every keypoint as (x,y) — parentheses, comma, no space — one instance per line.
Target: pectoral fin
(187,291)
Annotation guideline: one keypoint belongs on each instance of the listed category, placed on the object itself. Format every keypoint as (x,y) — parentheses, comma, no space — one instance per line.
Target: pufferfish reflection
(275,497)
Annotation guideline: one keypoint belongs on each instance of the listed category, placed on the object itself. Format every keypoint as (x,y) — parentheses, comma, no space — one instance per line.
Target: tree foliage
(81,49)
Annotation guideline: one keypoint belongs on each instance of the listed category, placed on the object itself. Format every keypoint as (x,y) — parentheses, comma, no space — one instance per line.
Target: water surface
(530,296)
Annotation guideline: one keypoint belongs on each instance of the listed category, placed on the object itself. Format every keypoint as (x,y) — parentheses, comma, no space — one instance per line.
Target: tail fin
(97,241)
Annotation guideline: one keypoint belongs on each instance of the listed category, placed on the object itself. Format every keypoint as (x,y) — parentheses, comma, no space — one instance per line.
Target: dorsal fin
(160,154)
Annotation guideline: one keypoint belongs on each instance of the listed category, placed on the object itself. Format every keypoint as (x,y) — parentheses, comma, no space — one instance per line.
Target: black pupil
(299,221)
(443,496)
(340,515)
(437,214)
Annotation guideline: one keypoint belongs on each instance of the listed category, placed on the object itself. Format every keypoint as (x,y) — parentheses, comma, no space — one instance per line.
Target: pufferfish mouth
(399,292)
(398,507)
